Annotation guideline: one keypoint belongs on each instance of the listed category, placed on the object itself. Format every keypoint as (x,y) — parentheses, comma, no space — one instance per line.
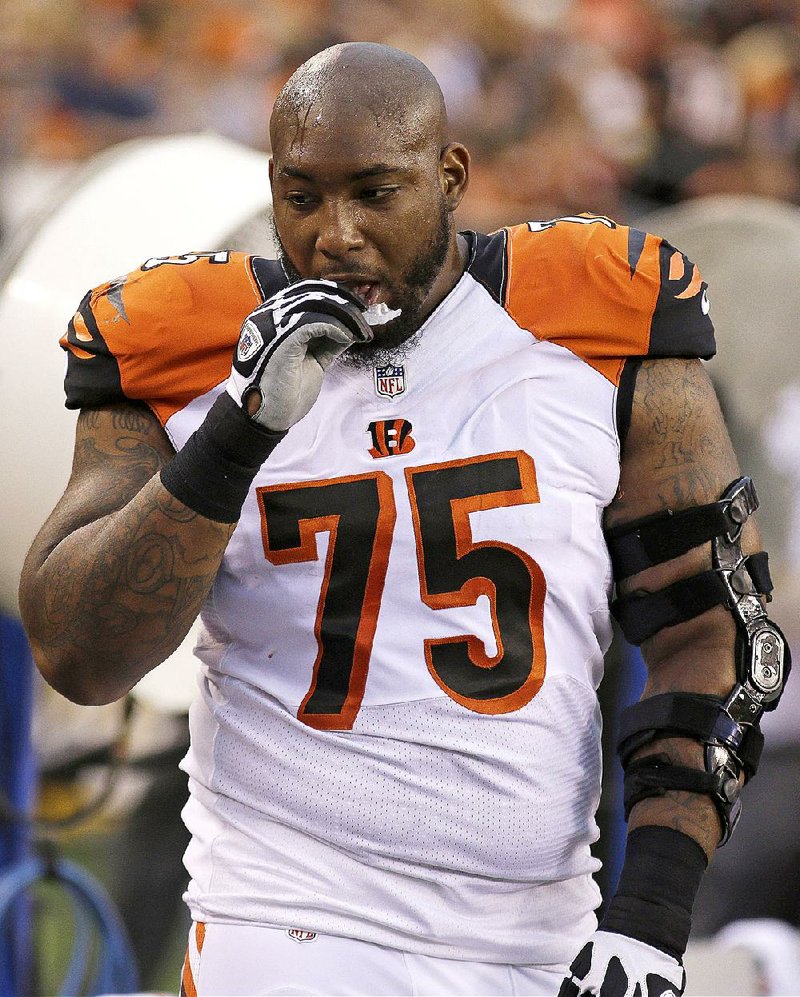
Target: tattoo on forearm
(143,578)
(150,564)
(692,813)
(175,510)
(140,563)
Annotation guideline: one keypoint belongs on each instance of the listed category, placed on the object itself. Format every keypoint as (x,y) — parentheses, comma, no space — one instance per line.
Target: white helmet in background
(748,250)
(151,197)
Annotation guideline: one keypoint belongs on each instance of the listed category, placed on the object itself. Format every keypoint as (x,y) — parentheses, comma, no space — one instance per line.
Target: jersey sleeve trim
(681,326)
(269,276)
(624,401)
(92,376)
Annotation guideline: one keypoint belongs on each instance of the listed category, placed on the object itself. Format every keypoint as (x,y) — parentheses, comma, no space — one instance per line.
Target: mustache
(354,271)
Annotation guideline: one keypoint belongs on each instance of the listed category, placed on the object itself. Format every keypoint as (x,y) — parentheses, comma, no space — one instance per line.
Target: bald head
(391,87)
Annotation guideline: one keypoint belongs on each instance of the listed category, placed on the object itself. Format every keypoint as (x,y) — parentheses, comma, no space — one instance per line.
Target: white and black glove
(288,343)
(284,349)
(638,947)
(613,965)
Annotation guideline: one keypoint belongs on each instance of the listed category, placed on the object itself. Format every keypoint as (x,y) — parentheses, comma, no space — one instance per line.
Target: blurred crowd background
(616,106)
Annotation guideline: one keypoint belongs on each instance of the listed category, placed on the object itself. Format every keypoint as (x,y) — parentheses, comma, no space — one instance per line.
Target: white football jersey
(397,734)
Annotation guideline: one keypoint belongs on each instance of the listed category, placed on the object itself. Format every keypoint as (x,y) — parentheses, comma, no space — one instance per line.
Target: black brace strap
(641,616)
(664,535)
(687,714)
(656,775)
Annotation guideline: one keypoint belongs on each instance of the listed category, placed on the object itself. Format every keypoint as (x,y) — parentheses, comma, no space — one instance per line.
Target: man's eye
(299,199)
(377,193)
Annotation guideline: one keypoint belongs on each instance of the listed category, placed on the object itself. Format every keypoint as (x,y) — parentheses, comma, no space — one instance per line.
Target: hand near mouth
(287,344)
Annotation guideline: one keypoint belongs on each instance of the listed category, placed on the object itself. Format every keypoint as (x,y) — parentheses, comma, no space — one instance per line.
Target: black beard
(365,356)
(396,339)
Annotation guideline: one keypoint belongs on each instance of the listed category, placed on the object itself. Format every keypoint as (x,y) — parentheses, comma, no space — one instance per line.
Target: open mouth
(378,311)
(368,291)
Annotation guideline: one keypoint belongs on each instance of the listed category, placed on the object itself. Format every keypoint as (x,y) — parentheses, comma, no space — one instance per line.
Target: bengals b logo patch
(391,437)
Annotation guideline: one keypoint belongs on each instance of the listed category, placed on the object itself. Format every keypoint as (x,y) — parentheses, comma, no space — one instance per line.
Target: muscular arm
(119,571)
(678,454)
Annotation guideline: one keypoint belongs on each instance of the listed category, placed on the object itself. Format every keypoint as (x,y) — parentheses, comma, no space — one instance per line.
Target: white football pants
(250,960)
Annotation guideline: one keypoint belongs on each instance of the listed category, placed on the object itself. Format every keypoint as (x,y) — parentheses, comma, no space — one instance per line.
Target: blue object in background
(17,783)
(22,863)
(93,912)
(631,683)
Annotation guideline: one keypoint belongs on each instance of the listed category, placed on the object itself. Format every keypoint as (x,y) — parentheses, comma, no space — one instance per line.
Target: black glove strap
(660,879)
(213,472)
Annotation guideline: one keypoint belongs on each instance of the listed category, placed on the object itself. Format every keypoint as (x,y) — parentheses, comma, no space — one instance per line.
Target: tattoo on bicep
(685,449)
(125,464)
(686,486)
(89,419)
(130,420)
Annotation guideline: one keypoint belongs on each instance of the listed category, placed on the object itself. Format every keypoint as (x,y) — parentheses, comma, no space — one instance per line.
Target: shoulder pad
(165,333)
(603,290)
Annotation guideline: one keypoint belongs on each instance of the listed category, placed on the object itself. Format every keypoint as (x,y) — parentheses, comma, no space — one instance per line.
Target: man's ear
(454,173)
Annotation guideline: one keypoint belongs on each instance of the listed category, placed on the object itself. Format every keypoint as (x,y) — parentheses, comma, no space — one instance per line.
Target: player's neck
(452,270)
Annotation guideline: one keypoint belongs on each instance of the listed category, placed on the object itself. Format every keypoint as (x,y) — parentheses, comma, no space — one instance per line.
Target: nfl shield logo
(390,381)
(250,342)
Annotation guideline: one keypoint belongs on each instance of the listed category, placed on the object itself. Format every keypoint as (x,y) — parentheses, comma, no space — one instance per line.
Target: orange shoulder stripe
(173,328)
(590,286)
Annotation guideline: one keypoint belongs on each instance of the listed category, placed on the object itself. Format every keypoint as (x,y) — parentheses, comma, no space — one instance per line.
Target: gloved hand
(288,343)
(613,965)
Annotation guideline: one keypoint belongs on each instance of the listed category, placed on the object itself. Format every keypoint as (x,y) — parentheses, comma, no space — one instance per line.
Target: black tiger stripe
(488,262)
(95,380)
(269,275)
(636,240)
(679,327)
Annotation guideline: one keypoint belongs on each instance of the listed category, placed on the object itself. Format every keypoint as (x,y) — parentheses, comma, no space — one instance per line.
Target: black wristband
(660,879)
(213,472)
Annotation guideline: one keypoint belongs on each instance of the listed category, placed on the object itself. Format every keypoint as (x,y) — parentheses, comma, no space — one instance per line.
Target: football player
(398,472)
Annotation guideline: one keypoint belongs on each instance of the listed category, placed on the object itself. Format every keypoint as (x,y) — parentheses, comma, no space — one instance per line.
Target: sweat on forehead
(361,79)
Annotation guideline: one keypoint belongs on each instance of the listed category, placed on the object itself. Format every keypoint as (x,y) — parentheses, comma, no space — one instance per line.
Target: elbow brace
(728,727)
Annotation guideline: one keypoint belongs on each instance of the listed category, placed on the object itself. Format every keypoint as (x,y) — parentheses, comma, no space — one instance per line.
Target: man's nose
(339,230)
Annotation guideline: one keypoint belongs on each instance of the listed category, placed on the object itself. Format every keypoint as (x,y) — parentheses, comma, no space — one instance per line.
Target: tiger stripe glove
(287,344)
(612,965)
(638,947)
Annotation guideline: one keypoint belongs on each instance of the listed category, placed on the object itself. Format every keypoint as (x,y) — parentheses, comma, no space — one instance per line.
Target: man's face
(359,203)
